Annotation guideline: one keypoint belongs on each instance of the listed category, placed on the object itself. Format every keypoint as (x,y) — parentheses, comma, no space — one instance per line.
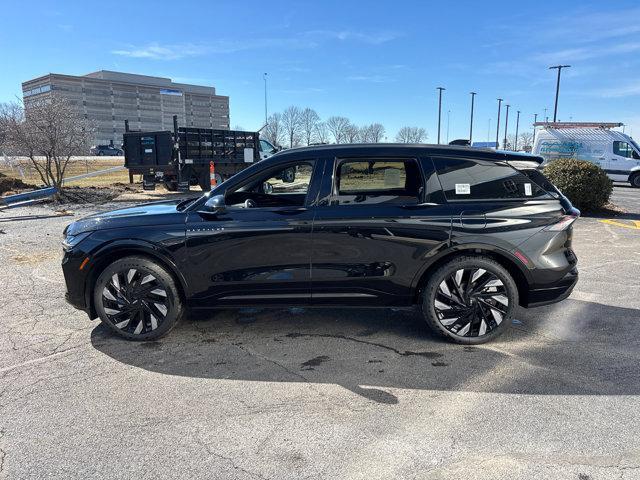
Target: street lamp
(264,76)
(515,148)
(440,89)
(473,94)
(498,124)
(555,108)
(506,125)
(535,120)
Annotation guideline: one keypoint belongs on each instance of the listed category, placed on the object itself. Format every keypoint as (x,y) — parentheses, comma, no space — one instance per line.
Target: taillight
(565,222)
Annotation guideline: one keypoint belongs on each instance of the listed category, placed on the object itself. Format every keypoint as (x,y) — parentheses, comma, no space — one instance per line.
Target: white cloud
(157,51)
(629,90)
(370,78)
(344,35)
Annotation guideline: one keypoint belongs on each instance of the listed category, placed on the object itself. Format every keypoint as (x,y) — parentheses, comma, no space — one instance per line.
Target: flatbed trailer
(183,157)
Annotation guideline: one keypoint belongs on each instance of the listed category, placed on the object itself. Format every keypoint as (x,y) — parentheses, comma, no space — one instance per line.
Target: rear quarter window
(474,179)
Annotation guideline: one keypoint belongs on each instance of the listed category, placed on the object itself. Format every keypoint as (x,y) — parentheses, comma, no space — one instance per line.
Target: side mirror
(215,205)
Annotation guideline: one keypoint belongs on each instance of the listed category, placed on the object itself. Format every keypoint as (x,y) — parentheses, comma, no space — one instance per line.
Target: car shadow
(572,348)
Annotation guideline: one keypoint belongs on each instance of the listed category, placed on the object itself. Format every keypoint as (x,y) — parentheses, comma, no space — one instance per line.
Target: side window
(464,179)
(266,147)
(623,149)
(377,181)
(283,187)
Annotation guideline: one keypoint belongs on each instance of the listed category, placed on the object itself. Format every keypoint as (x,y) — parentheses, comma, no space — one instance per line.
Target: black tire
(470,300)
(134,305)
(171,185)
(635,180)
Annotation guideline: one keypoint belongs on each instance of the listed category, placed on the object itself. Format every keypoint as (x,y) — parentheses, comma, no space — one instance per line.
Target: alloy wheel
(135,302)
(471,302)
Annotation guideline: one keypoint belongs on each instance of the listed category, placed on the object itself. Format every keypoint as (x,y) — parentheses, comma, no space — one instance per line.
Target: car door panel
(369,254)
(252,255)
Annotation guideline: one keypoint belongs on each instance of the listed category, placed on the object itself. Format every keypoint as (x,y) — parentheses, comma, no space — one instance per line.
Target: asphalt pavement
(305,393)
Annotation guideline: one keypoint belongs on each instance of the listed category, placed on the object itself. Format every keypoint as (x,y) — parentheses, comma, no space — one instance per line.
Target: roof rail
(604,125)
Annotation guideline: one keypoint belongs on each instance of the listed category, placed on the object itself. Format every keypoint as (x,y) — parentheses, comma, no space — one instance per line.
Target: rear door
(378,219)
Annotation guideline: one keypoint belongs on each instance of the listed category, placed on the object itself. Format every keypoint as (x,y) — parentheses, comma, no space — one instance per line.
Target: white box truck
(613,151)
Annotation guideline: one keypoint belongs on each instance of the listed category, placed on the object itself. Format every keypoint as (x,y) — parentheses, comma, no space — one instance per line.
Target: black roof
(411,149)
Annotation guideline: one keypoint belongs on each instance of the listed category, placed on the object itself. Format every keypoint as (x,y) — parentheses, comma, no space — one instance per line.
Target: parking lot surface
(305,393)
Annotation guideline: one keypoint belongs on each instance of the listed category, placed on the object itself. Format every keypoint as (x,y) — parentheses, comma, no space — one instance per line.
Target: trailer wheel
(171,185)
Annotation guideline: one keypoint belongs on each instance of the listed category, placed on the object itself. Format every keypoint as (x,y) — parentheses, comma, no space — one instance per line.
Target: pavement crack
(405,353)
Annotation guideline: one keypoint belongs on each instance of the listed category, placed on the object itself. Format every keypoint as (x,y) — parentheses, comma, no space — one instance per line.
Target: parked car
(106,150)
(616,153)
(456,231)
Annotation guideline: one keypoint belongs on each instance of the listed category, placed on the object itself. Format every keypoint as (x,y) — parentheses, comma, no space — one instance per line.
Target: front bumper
(555,293)
(75,279)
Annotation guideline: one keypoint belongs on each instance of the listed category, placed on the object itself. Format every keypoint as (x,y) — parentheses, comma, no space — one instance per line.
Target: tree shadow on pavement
(571,348)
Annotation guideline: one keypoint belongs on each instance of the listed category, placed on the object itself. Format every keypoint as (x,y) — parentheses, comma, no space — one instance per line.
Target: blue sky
(369,61)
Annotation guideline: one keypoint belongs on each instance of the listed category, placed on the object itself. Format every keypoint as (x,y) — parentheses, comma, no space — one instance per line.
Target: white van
(616,153)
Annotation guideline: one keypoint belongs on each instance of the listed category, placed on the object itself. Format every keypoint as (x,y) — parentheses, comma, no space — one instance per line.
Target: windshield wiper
(185,203)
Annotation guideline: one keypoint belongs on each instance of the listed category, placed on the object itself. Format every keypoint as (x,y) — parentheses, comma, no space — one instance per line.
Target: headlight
(71,241)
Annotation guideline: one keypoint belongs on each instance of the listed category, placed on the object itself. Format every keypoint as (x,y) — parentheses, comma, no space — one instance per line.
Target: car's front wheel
(470,299)
(137,298)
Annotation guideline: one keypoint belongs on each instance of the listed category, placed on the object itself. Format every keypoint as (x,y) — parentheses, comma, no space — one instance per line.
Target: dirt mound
(13,185)
(87,195)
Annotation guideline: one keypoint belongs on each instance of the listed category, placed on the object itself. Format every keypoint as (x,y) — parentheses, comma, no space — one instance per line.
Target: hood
(156,213)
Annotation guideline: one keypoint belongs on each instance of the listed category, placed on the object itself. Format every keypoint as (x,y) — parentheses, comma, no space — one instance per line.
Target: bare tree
(274,131)
(322,132)
(525,141)
(373,133)
(48,132)
(292,123)
(309,120)
(352,134)
(337,127)
(411,135)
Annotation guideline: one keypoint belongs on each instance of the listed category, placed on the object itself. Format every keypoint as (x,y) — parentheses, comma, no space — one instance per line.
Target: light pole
(515,148)
(555,108)
(506,126)
(264,76)
(535,120)
(498,124)
(473,95)
(440,89)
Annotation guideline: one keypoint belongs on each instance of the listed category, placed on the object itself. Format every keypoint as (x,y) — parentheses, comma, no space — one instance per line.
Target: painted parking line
(633,224)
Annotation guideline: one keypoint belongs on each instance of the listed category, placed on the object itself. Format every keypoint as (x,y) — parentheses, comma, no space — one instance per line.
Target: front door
(259,250)
(377,223)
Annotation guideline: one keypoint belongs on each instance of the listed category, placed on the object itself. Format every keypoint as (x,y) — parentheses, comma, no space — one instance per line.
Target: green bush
(584,183)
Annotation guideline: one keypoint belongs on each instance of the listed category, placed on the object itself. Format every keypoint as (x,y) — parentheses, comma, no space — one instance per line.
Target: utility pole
(264,76)
(535,120)
(498,124)
(506,126)
(555,108)
(473,94)
(440,89)
(515,148)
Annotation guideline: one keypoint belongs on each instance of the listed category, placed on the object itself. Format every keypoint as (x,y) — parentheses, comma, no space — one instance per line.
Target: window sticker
(463,189)
(527,189)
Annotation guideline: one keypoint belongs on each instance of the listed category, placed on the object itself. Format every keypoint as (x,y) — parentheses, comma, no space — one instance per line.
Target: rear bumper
(555,293)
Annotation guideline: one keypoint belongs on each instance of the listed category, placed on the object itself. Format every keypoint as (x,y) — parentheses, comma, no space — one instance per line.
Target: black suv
(465,234)
(106,150)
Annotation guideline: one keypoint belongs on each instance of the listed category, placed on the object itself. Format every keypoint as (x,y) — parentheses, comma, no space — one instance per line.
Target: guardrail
(27,198)
(93,174)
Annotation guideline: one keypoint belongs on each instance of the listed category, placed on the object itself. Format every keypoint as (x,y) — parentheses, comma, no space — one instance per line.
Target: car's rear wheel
(470,300)
(635,180)
(137,299)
